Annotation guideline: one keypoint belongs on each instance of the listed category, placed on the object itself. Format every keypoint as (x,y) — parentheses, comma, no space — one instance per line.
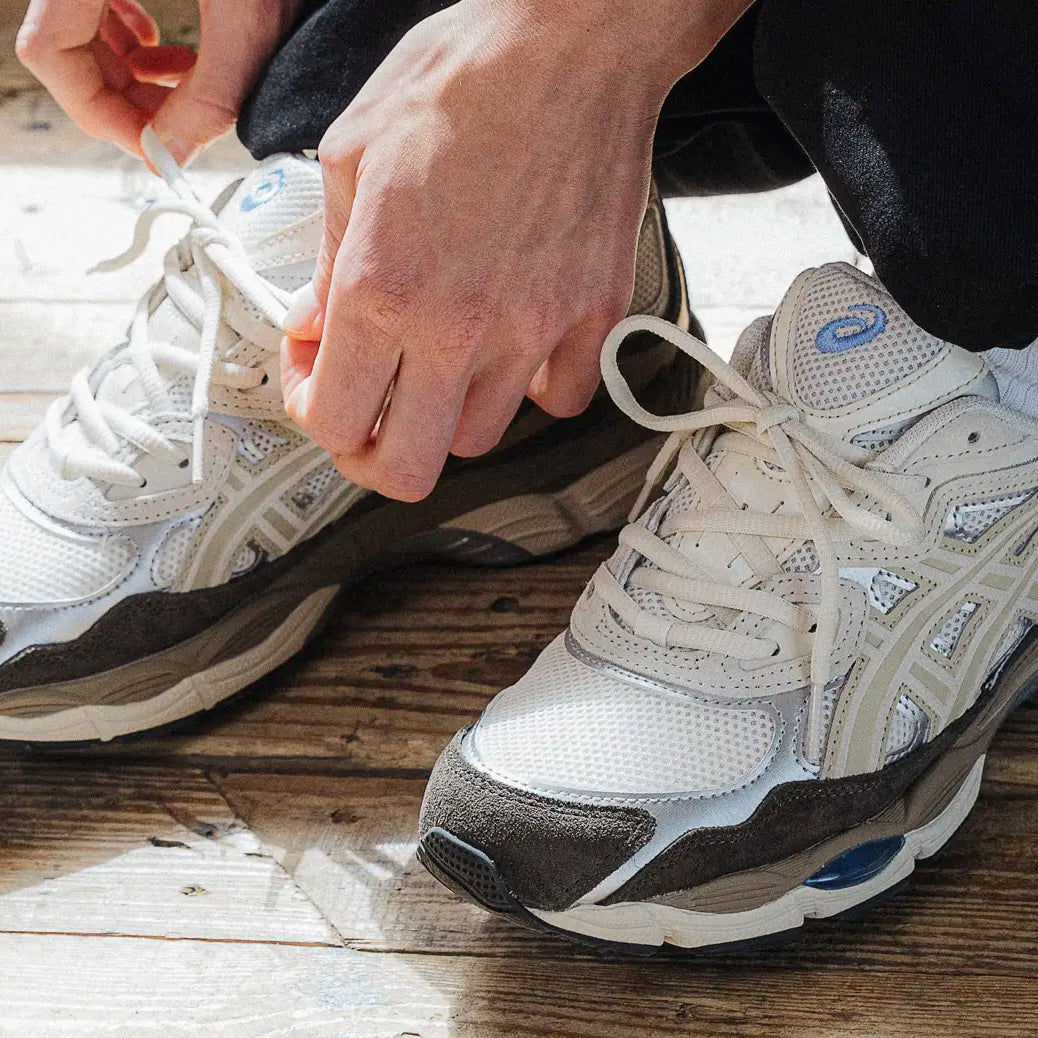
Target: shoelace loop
(215,255)
(814,463)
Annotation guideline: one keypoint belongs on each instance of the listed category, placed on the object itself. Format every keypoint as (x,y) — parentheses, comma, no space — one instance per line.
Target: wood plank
(20,413)
(138,851)
(121,986)
(36,133)
(414,659)
(349,845)
(46,343)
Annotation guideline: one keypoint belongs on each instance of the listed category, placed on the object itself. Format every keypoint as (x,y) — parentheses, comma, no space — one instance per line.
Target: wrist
(657,41)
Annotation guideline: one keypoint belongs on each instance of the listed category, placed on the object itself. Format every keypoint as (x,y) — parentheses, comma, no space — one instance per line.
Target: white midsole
(646,923)
(200,691)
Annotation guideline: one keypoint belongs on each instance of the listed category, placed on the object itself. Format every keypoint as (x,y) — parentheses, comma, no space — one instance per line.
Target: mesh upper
(947,637)
(908,728)
(567,725)
(281,192)
(40,565)
(650,272)
(830,380)
(314,487)
(969,521)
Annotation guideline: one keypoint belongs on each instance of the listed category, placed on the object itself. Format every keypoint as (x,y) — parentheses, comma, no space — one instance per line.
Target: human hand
(484,193)
(103,63)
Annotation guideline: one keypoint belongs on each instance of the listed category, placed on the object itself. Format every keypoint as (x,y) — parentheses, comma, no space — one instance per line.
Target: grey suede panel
(549,852)
(790,819)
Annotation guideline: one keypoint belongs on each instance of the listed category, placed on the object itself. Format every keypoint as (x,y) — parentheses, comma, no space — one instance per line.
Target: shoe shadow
(290,816)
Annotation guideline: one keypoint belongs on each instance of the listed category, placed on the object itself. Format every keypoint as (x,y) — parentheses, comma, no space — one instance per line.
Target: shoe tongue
(277,213)
(855,365)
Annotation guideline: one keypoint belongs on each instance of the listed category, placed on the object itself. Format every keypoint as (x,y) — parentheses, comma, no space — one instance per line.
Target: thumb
(340,180)
(305,317)
(205,105)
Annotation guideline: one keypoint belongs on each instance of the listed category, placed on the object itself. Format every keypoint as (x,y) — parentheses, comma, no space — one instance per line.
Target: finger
(114,72)
(164,65)
(305,317)
(414,436)
(114,33)
(206,103)
(339,172)
(565,383)
(297,365)
(146,97)
(137,20)
(54,43)
(491,403)
(341,401)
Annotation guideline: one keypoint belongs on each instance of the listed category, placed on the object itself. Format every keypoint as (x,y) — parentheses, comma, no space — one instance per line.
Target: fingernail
(179,147)
(303,315)
(298,402)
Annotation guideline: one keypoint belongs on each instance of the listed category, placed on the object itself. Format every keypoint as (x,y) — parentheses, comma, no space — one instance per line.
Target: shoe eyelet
(265,379)
(184,463)
(974,437)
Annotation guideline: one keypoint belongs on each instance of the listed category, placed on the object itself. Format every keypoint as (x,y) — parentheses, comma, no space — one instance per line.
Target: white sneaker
(169,537)
(778,692)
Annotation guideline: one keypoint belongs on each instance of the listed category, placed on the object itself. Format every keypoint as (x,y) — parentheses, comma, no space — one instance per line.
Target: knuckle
(406,484)
(566,401)
(30,44)
(335,149)
(470,444)
(329,434)
(211,114)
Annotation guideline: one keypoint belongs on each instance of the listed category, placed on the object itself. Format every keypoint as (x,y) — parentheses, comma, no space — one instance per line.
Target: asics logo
(264,191)
(847,332)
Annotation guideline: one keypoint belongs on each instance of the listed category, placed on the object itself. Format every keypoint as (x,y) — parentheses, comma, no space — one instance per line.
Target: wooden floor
(254,873)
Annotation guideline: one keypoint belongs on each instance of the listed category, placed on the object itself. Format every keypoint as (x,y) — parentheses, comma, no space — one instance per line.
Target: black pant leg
(716,133)
(921,117)
(329,55)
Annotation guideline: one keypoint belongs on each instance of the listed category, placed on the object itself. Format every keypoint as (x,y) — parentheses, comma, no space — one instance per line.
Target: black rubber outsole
(473,875)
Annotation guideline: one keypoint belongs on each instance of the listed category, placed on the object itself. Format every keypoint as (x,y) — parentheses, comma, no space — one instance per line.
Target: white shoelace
(771,430)
(214,254)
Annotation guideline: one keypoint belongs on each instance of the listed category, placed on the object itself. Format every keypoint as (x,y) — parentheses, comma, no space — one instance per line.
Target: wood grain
(253,871)
(121,986)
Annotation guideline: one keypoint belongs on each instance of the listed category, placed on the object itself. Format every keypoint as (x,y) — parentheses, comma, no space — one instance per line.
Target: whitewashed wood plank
(221,888)
(723,325)
(138,851)
(744,250)
(349,843)
(67,202)
(56,985)
(20,413)
(43,344)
